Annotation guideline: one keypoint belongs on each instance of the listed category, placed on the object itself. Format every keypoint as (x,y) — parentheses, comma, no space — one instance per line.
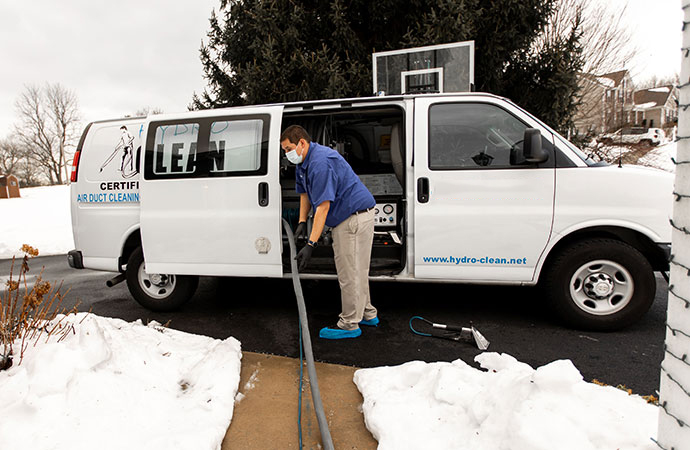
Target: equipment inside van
(370,140)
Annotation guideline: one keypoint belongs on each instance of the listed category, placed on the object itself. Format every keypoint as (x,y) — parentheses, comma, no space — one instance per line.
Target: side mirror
(531,151)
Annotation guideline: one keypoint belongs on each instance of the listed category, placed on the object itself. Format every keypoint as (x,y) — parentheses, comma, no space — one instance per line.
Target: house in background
(606,103)
(618,100)
(656,107)
(609,102)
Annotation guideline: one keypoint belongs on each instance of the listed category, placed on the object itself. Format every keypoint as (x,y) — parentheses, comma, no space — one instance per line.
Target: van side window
(472,136)
(208,147)
(235,146)
(174,150)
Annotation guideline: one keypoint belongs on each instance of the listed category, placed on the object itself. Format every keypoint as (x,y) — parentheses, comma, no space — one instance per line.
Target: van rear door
(210,195)
(105,191)
(478,217)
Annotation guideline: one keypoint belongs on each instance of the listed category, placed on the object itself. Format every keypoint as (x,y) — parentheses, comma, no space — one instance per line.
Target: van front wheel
(157,291)
(601,284)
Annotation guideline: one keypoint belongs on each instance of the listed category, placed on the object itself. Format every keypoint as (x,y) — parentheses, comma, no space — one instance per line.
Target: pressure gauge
(387,209)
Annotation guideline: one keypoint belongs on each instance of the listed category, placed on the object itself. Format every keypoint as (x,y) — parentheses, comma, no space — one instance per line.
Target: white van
(469,187)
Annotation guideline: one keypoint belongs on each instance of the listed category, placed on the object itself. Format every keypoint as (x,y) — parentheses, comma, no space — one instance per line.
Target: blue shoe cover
(371,322)
(338,333)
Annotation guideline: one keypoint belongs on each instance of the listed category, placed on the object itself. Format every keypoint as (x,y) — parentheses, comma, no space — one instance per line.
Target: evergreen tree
(267,51)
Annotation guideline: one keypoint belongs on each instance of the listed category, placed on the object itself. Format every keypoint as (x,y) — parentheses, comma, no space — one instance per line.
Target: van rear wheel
(600,284)
(157,291)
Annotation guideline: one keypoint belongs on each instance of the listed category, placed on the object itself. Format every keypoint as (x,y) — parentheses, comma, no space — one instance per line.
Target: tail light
(75,166)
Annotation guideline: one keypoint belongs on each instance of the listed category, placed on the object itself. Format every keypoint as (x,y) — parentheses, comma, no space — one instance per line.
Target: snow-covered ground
(118,385)
(660,157)
(507,406)
(40,218)
(657,157)
(113,385)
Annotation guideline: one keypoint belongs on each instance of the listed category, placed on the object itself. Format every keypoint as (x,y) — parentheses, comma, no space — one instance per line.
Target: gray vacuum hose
(311,369)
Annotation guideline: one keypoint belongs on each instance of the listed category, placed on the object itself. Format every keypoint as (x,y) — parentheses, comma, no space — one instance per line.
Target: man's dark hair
(294,133)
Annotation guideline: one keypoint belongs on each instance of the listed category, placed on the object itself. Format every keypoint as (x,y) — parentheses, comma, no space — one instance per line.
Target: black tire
(171,292)
(600,284)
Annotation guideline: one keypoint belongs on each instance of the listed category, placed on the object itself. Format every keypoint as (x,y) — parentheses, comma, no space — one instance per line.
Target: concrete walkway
(266,417)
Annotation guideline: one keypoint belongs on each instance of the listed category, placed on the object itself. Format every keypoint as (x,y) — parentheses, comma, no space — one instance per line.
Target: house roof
(609,80)
(652,98)
(616,77)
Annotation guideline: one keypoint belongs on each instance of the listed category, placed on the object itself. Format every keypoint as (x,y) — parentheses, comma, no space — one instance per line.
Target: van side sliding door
(210,196)
(478,215)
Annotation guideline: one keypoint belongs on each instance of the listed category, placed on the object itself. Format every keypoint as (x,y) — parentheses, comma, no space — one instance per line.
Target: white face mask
(293,157)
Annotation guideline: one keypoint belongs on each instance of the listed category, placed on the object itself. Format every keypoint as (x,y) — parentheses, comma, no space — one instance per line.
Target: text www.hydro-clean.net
(468,260)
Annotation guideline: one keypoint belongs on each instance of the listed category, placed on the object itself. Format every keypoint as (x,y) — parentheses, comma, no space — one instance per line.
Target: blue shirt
(325,175)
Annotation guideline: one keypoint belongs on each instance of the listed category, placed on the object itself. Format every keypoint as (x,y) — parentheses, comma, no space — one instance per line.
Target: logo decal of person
(126,146)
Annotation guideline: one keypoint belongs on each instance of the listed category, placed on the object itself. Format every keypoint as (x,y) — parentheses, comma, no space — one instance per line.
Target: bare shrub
(27,314)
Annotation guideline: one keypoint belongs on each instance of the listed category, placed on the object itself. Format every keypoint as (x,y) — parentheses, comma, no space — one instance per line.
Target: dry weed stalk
(24,318)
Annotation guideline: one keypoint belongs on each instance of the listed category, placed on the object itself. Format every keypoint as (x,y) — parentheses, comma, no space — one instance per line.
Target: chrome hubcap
(156,285)
(601,287)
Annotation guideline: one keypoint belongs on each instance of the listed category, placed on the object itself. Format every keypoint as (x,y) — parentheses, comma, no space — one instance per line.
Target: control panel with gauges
(386,222)
(385,214)
(388,193)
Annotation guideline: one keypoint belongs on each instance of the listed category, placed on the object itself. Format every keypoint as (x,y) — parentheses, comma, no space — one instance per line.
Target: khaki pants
(352,240)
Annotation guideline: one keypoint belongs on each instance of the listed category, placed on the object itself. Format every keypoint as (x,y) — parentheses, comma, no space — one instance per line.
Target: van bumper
(75,259)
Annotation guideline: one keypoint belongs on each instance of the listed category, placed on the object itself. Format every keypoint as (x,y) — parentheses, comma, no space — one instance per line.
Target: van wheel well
(652,252)
(132,243)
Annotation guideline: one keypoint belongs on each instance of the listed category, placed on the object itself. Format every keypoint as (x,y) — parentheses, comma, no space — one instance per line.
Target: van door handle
(423,190)
(263,194)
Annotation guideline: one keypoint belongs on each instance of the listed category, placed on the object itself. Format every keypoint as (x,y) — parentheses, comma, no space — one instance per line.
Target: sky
(119,57)
(657,27)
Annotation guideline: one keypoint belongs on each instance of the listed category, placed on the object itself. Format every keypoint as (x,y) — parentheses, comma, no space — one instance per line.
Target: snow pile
(510,406)
(40,218)
(660,157)
(118,385)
